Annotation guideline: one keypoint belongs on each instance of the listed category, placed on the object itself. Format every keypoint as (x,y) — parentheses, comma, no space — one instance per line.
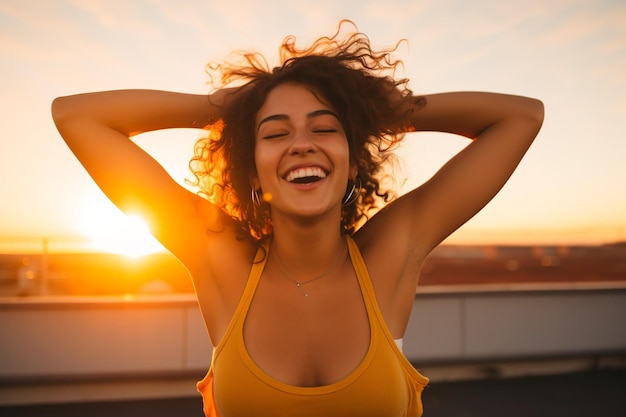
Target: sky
(570,188)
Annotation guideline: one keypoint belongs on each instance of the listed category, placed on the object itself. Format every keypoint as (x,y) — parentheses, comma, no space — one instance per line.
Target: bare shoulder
(391,245)
(209,240)
(393,255)
(393,232)
(218,260)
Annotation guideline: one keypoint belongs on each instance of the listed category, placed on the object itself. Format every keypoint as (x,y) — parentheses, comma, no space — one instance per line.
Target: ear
(354,170)
(254,181)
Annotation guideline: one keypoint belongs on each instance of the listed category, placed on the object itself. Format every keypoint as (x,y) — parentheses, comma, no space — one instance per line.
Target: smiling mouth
(305,175)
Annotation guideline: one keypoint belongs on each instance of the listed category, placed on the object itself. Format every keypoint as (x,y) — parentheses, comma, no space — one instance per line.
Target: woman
(305,289)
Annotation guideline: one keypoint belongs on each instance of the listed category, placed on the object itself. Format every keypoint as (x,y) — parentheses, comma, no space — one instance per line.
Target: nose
(302,143)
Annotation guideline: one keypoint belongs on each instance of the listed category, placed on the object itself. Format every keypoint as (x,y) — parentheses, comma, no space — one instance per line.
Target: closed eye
(274,135)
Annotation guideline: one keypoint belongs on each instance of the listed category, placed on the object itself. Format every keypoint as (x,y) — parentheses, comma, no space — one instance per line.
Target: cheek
(260,154)
(265,163)
(346,156)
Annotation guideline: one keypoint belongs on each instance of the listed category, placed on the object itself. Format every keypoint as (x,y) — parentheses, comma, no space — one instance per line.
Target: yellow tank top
(385,384)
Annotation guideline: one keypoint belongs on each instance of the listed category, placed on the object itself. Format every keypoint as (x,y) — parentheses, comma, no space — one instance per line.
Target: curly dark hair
(345,73)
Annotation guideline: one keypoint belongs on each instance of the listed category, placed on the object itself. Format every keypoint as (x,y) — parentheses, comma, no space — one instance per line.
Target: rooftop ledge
(424,290)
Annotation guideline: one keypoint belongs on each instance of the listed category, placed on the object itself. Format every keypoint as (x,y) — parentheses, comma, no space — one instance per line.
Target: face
(301,153)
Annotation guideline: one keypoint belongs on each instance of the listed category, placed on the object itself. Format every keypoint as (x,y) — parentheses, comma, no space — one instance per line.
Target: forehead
(291,99)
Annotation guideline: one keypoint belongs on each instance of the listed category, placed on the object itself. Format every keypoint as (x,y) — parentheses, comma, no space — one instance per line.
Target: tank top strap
(367,289)
(246,297)
(376,318)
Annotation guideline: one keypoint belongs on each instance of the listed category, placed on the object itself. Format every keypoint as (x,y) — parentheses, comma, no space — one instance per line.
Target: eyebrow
(316,113)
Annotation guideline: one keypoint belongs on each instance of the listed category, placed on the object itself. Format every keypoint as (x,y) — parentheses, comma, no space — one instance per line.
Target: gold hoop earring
(354,192)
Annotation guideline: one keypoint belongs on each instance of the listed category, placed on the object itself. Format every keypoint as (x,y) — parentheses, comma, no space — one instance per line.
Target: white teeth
(305,172)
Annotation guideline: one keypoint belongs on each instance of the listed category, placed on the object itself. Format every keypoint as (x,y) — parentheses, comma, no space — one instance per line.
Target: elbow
(536,112)
(59,109)
(64,111)
(528,115)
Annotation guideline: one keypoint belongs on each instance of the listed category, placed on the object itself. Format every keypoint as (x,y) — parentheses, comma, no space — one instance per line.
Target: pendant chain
(283,268)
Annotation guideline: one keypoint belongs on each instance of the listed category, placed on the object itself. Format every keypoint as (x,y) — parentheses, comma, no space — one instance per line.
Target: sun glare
(109,230)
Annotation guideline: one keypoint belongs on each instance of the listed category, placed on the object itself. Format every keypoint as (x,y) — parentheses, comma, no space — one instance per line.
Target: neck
(308,251)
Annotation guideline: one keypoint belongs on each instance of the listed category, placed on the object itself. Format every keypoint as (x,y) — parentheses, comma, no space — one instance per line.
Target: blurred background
(93,309)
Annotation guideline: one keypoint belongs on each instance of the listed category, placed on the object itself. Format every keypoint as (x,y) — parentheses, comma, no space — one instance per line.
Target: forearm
(471,113)
(135,111)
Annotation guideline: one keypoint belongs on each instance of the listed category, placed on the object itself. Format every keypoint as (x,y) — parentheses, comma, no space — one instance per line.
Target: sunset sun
(107,229)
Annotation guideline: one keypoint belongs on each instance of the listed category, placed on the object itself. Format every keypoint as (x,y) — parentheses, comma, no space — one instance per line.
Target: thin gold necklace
(285,272)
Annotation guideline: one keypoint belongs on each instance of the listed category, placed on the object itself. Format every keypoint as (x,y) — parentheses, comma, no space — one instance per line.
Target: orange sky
(572,55)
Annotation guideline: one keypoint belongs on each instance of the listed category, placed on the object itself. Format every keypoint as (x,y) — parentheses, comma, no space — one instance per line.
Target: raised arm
(97,128)
(502,128)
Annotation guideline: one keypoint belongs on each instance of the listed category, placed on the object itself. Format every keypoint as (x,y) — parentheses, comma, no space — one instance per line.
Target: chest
(312,335)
